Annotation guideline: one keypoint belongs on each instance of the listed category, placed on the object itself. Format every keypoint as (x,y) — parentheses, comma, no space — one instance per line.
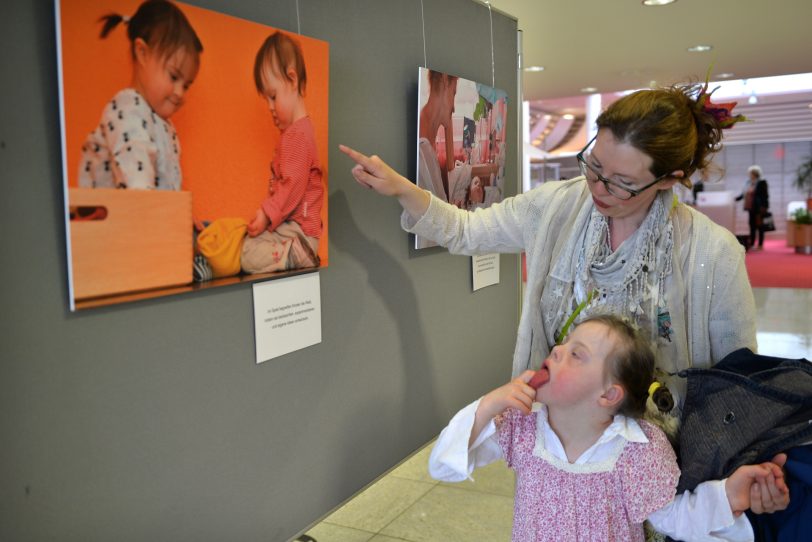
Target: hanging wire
(423,24)
(493,61)
(298,22)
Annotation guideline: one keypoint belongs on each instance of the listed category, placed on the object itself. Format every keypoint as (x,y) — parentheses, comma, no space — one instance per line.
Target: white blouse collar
(599,457)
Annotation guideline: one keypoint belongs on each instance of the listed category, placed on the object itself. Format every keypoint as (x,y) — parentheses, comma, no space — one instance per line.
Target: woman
(614,240)
(756,202)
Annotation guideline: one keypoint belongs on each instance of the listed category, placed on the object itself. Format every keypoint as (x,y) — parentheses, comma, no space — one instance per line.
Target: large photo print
(461,146)
(194,149)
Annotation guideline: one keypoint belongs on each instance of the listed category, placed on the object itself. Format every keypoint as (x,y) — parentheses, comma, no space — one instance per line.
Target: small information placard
(287,315)
(485,269)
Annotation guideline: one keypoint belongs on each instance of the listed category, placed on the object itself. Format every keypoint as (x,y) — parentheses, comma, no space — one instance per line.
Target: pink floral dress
(557,501)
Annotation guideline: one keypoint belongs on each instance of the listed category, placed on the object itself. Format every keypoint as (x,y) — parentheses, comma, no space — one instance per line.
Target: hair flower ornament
(722,112)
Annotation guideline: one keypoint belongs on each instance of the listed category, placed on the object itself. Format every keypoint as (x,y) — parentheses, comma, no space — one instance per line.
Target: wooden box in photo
(129,240)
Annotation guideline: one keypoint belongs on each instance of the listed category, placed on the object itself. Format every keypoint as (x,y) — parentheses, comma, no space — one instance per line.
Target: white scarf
(629,282)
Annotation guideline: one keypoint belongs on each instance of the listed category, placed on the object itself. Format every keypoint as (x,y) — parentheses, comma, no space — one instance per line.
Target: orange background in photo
(226,132)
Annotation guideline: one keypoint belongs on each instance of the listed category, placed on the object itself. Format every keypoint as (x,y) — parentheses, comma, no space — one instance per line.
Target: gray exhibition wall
(151,420)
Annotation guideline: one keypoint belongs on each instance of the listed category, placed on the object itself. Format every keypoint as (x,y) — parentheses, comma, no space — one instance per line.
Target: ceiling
(621,44)
(617,45)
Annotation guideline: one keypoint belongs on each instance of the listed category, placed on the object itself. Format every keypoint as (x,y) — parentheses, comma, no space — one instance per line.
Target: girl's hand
(374,173)
(758,487)
(259,224)
(771,494)
(515,394)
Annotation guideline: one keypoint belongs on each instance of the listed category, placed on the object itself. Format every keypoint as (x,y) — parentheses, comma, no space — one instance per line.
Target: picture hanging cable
(299,23)
(423,24)
(493,62)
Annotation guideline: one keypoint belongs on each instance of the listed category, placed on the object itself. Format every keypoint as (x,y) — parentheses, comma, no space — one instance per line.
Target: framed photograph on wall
(194,149)
(461,145)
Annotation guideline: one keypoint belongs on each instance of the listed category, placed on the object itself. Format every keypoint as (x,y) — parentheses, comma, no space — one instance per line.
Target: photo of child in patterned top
(142,65)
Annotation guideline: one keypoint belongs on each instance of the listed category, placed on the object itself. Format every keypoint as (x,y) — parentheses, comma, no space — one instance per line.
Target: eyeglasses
(613,187)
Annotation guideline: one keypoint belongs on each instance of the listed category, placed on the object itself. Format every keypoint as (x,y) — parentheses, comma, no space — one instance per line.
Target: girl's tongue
(540,378)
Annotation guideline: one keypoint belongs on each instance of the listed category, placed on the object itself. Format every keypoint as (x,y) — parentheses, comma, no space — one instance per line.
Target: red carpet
(777,266)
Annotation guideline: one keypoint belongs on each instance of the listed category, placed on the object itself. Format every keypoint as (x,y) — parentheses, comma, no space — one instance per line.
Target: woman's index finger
(355,155)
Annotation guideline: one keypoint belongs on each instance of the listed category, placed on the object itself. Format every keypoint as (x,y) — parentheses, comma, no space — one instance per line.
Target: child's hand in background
(259,224)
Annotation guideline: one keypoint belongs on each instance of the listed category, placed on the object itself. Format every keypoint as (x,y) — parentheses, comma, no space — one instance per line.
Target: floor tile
(785,345)
(784,322)
(447,514)
(327,532)
(416,467)
(784,310)
(378,505)
(384,538)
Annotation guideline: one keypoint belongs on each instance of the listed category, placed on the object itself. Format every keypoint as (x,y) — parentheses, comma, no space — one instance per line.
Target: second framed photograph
(461,145)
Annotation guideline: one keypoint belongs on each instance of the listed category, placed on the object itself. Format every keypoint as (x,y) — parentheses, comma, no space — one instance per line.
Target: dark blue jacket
(743,410)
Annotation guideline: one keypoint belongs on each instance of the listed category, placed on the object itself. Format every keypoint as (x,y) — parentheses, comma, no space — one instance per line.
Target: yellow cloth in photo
(221,244)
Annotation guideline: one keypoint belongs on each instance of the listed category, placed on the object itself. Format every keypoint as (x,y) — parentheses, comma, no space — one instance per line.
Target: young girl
(135,144)
(586,467)
(285,231)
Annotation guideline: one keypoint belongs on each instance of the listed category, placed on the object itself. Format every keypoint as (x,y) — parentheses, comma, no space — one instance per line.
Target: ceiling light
(534,69)
(700,48)
(753,99)
(657,2)
(569,116)
(725,75)
(589,89)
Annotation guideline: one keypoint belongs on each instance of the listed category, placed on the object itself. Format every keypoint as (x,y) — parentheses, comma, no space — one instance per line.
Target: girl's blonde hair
(287,53)
(630,363)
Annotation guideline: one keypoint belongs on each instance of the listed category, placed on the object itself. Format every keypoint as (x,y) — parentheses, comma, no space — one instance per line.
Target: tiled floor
(407,504)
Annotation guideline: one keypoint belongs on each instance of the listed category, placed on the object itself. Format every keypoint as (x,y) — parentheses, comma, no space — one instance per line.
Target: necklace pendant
(664,325)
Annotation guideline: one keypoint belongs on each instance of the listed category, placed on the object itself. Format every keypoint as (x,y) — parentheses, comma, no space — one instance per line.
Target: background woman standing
(756,197)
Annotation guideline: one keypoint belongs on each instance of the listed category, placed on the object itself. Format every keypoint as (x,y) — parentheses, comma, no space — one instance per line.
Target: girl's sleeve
(294,161)
(498,228)
(702,515)
(511,425)
(133,152)
(451,459)
(649,476)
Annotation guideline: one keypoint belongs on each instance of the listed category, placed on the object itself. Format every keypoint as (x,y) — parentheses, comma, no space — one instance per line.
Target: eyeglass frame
(582,163)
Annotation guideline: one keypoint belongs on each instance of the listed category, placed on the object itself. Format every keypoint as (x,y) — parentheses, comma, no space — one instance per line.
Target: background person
(756,198)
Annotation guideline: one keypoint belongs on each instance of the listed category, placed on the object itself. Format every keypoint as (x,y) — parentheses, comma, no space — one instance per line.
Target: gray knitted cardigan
(709,295)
